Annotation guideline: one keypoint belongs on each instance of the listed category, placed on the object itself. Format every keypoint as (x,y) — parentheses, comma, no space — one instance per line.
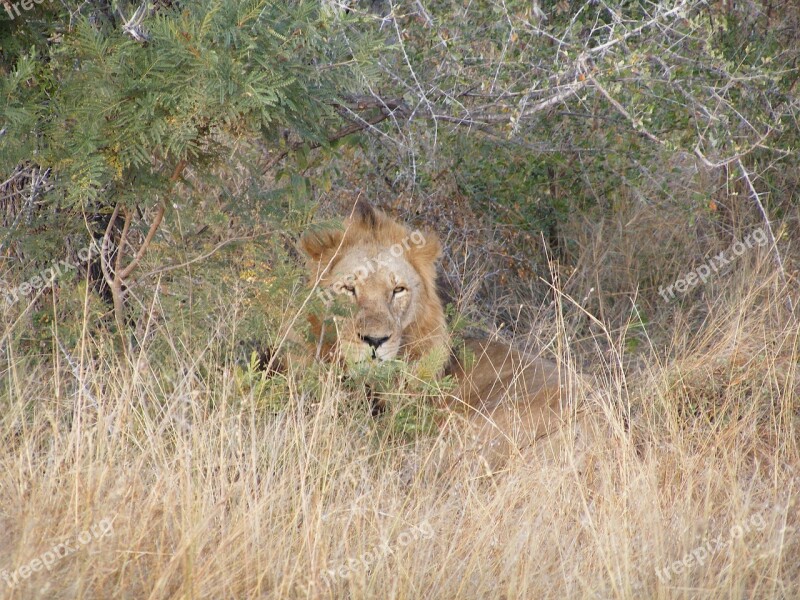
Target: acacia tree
(107,106)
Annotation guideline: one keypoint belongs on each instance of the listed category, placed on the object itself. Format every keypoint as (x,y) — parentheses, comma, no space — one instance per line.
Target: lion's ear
(366,215)
(428,250)
(316,242)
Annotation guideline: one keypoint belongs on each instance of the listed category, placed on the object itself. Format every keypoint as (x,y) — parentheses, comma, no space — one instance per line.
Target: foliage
(109,106)
(98,106)
(112,110)
(558,106)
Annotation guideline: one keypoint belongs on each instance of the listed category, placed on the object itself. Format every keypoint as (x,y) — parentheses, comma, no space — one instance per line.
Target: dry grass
(213,494)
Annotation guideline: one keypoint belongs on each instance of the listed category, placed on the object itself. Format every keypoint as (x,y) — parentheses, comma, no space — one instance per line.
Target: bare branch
(773,241)
(637,124)
(107,275)
(143,248)
(197,259)
(388,108)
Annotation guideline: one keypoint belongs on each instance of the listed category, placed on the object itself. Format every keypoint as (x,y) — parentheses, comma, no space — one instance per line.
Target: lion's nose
(374,341)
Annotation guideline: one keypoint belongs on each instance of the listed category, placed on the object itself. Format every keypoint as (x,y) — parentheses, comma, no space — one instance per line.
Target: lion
(387,274)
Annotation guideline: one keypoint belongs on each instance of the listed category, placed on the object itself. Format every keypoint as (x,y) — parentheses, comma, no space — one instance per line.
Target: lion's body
(509,398)
(512,398)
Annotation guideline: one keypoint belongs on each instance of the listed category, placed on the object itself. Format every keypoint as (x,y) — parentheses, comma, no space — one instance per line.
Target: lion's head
(387,274)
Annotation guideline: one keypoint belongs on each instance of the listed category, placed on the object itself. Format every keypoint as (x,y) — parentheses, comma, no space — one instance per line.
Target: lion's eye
(399,290)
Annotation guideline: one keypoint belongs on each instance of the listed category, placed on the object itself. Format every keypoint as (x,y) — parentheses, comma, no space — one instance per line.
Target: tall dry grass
(214,493)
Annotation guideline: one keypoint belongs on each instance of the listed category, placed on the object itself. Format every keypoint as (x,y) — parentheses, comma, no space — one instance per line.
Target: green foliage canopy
(106,111)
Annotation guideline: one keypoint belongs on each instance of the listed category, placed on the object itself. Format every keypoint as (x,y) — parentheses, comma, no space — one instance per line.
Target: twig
(773,241)
(104,251)
(637,125)
(143,248)
(196,259)
(674,11)
(16,175)
(77,375)
(35,181)
(133,26)
(123,238)
(567,91)
(387,107)
(735,158)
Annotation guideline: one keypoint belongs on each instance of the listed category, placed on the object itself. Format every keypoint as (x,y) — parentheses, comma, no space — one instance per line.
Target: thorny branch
(772,239)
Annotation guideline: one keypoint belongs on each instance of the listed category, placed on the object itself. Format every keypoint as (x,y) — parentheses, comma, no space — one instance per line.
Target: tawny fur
(509,399)
(371,231)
